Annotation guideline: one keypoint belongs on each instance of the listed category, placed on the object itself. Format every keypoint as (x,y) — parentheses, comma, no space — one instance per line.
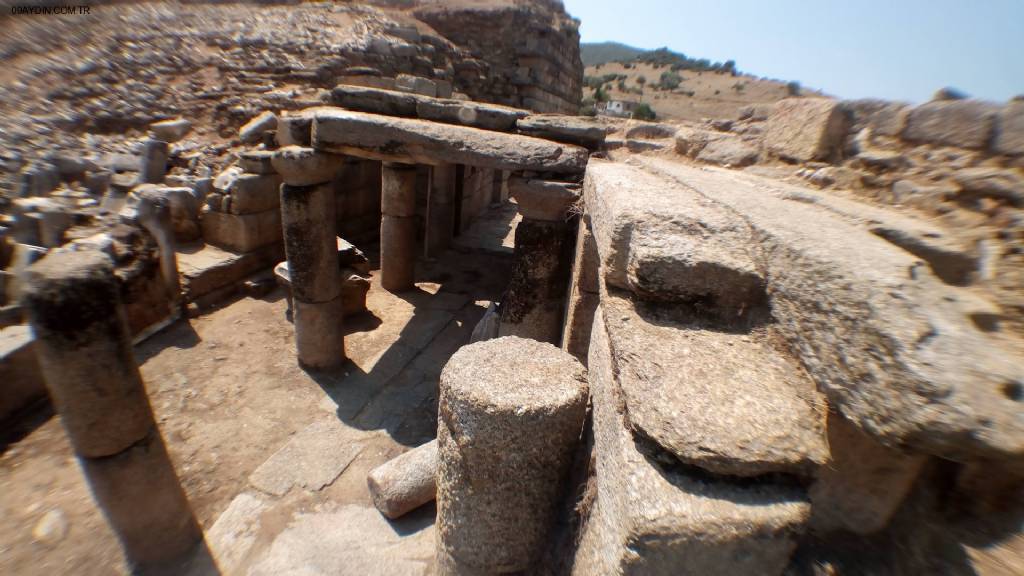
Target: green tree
(793,88)
(644,112)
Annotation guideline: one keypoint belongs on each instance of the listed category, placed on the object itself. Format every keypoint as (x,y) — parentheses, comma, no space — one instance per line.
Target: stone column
(308,218)
(510,415)
(440,209)
(398,226)
(534,304)
(406,482)
(154,161)
(84,350)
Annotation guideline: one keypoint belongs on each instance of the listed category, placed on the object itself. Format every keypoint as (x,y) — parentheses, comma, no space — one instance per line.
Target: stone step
(654,517)
(883,337)
(207,268)
(726,402)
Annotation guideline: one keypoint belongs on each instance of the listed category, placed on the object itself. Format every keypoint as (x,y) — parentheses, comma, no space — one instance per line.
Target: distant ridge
(602,52)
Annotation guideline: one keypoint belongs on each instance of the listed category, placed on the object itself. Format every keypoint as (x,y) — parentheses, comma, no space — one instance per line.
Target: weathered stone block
(241,232)
(305,166)
(170,130)
(578,130)
(21,381)
(960,123)
(805,129)
(252,131)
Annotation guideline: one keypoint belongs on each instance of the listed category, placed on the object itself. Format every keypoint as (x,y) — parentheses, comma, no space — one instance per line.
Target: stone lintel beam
(412,141)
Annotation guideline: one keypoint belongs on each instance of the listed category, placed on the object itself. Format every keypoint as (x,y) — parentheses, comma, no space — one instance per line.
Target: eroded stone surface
(726,402)
(805,128)
(963,123)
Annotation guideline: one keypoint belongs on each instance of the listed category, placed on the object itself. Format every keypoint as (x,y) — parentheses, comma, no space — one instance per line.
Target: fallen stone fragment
(257,161)
(374,100)
(805,129)
(421,142)
(728,152)
(406,482)
(648,131)
(882,117)
(252,131)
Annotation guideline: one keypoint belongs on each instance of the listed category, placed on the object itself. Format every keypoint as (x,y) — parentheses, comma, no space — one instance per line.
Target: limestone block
(421,142)
(249,193)
(183,206)
(863,484)
(257,161)
(305,166)
(960,123)
(510,415)
(241,232)
(252,131)
(579,130)
(318,337)
(1010,129)
(354,288)
(295,129)
(728,152)
(406,482)
(544,199)
(726,402)
(665,242)
(805,129)
(84,350)
(416,85)
(139,493)
(170,130)
(655,518)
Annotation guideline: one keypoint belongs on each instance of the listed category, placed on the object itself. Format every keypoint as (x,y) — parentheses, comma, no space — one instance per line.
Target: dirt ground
(227,394)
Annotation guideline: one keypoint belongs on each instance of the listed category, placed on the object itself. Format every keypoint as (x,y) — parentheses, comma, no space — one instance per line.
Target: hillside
(603,52)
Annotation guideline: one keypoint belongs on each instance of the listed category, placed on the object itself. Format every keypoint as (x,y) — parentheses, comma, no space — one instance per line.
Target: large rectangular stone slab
(884,338)
(652,517)
(412,105)
(664,242)
(211,268)
(422,142)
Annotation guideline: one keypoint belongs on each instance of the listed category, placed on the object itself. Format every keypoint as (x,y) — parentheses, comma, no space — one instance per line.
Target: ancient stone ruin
(350,289)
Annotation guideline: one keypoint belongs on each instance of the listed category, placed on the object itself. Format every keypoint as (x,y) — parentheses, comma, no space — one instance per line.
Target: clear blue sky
(896,49)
